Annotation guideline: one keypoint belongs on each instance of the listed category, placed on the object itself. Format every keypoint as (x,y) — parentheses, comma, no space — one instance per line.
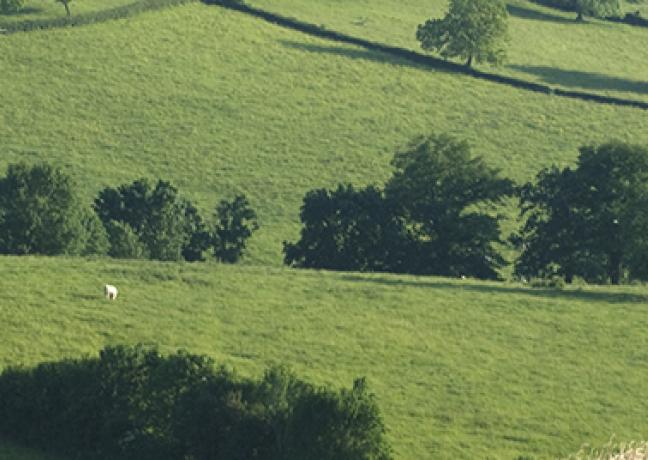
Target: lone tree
(595,8)
(472,30)
(591,221)
(236,221)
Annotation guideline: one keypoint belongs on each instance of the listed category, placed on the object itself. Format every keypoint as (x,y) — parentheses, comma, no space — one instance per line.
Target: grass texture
(462,369)
(220,103)
(546,45)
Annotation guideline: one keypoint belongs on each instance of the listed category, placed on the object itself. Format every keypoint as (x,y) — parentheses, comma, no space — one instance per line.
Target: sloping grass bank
(220,103)
(462,369)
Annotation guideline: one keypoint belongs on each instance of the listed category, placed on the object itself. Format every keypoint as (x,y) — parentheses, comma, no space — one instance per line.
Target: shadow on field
(23,11)
(585,296)
(353,53)
(526,13)
(585,80)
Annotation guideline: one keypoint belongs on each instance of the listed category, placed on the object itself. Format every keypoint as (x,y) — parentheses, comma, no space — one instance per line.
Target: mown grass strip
(428,61)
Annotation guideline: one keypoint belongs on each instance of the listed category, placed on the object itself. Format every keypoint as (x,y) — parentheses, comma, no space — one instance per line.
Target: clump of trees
(134,403)
(589,221)
(425,221)
(40,213)
(595,8)
(436,215)
(471,30)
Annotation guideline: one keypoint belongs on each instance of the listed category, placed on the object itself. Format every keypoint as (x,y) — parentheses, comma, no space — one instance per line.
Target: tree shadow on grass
(348,51)
(534,15)
(565,294)
(584,80)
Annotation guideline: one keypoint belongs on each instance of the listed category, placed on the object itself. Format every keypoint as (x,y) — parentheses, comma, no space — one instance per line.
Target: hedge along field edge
(119,12)
(424,60)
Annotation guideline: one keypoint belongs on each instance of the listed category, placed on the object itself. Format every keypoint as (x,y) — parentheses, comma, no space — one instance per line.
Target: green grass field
(220,103)
(546,45)
(462,369)
(36,10)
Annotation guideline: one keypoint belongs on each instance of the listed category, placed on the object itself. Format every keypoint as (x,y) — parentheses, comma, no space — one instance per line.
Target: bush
(134,403)
(10,6)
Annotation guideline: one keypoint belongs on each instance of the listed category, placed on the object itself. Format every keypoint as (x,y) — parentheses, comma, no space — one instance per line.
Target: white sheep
(110,291)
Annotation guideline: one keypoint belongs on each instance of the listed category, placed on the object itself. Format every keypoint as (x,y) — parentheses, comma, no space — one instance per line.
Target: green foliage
(124,242)
(97,241)
(163,221)
(235,223)
(437,185)
(349,229)
(39,212)
(596,8)
(590,221)
(10,6)
(472,29)
(133,403)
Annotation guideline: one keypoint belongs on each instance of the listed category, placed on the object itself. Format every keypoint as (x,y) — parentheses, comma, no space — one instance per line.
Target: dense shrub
(133,403)
(10,6)
(40,212)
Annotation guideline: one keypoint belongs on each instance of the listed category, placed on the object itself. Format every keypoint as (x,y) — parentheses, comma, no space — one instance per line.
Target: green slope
(221,103)
(461,369)
(546,45)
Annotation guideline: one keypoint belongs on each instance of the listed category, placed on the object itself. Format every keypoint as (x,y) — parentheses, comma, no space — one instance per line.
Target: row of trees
(437,215)
(40,213)
(477,30)
(132,403)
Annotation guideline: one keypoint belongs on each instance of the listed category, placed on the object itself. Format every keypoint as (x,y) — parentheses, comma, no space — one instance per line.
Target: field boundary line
(422,59)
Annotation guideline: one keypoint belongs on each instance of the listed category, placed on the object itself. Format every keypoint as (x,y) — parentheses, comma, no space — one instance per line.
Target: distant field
(546,46)
(220,103)
(52,9)
(462,369)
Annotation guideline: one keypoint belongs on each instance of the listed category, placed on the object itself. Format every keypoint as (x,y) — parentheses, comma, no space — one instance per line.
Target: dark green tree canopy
(40,212)
(235,223)
(164,222)
(438,186)
(471,30)
(589,221)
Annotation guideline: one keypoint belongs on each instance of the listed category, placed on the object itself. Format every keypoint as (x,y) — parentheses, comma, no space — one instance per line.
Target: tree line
(132,403)
(41,213)
(437,215)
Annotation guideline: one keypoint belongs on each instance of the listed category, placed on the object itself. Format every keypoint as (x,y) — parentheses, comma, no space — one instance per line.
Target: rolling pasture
(546,45)
(220,103)
(462,369)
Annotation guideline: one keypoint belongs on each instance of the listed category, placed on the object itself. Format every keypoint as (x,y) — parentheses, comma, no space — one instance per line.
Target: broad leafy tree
(235,223)
(348,229)
(40,212)
(166,224)
(442,192)
(589,221)
(473,30)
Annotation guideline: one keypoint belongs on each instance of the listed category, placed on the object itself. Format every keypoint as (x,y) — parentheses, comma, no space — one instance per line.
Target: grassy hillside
(220,103)
(462,369)
(546,45)
(36,10)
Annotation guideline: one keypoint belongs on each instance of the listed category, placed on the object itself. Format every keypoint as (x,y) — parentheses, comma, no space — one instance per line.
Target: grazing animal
(110,291)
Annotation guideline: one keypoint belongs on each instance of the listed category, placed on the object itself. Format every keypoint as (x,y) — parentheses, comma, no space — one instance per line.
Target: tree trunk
(614,269)
(469,61)
(579,18)
(67,8)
